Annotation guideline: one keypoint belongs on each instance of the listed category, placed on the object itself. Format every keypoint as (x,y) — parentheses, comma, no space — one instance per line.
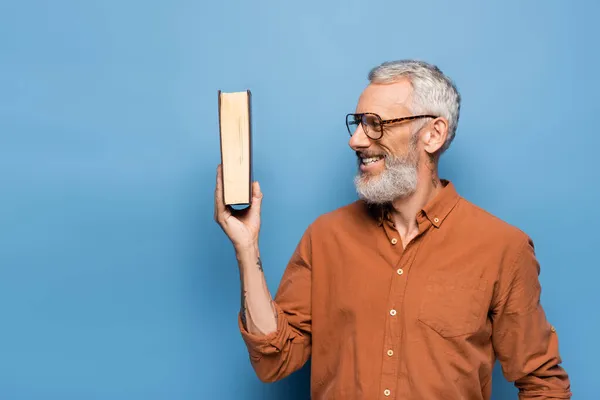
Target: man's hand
(242,227)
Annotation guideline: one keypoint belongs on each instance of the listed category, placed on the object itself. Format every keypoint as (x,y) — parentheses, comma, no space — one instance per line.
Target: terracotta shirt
(424,322)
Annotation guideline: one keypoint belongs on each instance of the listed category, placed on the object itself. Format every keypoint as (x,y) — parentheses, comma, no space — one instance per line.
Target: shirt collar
(441,205)
(435,211)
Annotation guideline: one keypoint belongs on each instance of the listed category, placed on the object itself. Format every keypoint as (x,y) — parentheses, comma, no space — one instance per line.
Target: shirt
(428,321)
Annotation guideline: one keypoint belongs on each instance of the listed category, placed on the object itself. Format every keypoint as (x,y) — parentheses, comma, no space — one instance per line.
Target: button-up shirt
(428,321)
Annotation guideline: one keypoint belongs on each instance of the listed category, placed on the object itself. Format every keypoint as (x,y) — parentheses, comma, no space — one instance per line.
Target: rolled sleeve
(525,342)
(274,342)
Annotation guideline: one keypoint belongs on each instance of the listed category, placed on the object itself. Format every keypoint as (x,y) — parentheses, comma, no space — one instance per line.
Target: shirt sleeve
(278,354)
(526,344)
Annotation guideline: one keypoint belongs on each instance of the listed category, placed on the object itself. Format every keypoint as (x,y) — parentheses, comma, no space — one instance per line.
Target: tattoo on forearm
(274,310)
(243,309)
(259,263)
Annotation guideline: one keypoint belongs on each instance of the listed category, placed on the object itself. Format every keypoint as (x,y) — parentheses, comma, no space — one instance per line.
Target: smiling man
(410,292)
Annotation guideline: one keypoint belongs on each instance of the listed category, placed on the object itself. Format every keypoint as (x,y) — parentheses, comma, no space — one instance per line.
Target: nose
(359,139)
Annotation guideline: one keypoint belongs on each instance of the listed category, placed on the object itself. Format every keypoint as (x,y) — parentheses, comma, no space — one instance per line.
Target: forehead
(386,99)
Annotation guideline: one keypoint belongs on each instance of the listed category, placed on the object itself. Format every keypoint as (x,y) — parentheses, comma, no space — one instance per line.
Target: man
(411,292)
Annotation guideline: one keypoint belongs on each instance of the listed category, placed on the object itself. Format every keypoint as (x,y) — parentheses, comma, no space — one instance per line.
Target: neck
(404,210)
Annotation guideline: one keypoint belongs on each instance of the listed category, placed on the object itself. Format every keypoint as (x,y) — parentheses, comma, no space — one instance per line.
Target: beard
(397,180)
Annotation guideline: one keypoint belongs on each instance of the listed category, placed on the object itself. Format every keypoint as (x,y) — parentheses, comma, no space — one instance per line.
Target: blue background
(115,282)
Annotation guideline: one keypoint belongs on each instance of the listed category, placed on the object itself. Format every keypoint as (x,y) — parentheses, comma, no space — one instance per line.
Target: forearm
(257,312)
(277,332)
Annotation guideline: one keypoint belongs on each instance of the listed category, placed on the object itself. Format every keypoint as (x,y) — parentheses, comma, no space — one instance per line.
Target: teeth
(371,160)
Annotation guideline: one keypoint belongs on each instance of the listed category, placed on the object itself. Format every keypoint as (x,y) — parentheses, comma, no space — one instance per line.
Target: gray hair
(433,92)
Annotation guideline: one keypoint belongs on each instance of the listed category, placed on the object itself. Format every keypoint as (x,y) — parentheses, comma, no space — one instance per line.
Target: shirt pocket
(453,306)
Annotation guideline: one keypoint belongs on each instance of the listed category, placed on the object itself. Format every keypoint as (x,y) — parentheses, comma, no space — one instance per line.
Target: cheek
(395,147)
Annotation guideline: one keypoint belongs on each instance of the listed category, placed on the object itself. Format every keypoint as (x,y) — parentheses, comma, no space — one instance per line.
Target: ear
(435,135)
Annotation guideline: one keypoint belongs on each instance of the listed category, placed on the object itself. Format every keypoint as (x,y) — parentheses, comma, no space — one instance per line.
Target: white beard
(397,180)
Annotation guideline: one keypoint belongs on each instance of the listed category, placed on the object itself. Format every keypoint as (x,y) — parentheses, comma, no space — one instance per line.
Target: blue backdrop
(115,282)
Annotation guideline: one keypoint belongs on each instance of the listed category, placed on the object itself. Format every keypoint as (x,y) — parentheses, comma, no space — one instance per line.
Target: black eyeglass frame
(381,122)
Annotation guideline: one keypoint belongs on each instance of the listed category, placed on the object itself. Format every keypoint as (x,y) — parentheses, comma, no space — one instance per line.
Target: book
(235,130)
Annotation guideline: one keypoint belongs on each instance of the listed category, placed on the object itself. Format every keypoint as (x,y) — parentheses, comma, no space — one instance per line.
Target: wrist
(248,250)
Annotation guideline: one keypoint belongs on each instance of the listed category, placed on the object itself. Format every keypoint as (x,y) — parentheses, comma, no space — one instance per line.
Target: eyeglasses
(372,123)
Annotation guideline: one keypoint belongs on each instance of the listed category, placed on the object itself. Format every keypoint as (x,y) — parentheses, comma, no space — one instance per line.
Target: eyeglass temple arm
(389,121)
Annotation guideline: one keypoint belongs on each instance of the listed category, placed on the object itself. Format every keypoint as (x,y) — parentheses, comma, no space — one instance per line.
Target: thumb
(257,197)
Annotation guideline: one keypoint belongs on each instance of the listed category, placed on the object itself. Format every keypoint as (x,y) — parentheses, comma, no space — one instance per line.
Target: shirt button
(392,312)
(390,353)
(400,271)
(436,220)
(394,241)
(387,392)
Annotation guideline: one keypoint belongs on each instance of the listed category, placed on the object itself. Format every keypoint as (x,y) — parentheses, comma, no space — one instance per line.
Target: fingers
(220,209)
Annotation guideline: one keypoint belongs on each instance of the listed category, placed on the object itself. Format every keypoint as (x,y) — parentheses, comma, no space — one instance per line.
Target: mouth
(370,162)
